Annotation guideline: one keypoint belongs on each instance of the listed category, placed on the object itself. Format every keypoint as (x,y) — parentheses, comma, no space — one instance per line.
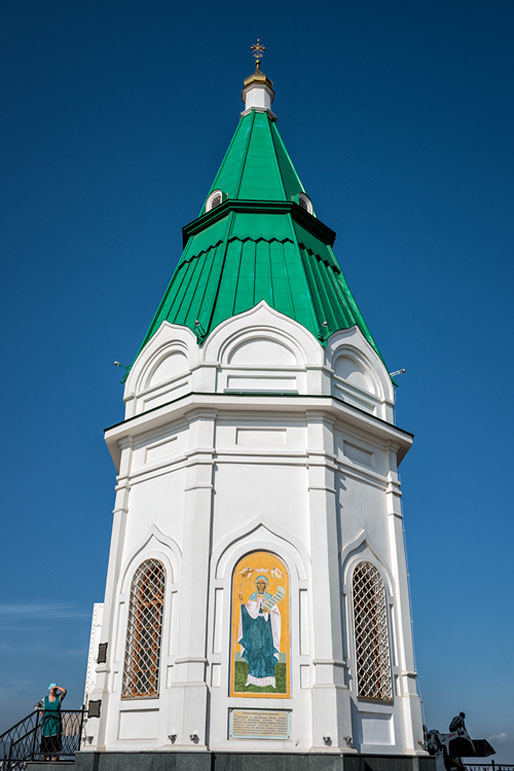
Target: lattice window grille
(305,202)
(144,631)
(371,634)
(215,200)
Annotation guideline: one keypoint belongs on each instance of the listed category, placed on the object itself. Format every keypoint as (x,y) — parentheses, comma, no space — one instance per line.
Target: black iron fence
(22,742)
(492,766)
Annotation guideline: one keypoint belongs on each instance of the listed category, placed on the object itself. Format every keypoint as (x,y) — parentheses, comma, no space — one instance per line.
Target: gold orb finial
(258,50)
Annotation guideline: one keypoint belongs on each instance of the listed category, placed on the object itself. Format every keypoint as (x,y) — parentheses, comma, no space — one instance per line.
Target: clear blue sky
(399,119)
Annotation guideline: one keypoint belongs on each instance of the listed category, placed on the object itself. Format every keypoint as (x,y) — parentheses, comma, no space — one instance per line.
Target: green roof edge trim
(318,228)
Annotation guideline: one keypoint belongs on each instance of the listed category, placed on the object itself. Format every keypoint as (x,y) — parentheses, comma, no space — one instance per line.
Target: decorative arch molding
(158,546)
(362,548)
(360,366)
(262,321)
(249,349)
(363,365)
(352,344)
(175,350)
(168,340)
(260,534)
(256,335)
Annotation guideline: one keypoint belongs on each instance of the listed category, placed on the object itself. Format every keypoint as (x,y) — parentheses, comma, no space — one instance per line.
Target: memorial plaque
(259,724)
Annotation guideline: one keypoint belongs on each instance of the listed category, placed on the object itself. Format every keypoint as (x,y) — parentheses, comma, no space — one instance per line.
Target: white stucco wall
(252,441)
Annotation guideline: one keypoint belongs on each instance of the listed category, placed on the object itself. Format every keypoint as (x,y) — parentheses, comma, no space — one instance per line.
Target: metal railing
(22,741)
(492,766)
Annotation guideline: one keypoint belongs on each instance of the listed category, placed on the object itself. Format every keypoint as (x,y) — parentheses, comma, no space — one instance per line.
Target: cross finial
(258,49)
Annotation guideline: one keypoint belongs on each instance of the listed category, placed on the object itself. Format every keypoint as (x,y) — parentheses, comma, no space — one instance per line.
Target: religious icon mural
(260,664)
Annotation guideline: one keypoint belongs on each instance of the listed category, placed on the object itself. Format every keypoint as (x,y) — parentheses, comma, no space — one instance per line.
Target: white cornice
(182,407)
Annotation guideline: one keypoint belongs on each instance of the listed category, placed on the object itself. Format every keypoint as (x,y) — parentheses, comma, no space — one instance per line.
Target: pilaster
(330,696)
(189,692)
(97,727)
(406,686)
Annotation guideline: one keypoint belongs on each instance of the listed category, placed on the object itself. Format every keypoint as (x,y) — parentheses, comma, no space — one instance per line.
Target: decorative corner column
(98,727)
(189,697)
(405,687)
(331,709)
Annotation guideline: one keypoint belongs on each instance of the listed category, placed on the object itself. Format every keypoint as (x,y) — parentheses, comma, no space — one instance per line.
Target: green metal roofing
(256,165)
(258,245)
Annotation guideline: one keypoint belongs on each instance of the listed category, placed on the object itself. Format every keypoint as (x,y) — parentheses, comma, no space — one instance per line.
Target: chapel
(257,600)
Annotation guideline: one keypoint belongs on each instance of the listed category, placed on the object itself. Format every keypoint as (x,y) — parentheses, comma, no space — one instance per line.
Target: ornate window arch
(144,631)
(373,662)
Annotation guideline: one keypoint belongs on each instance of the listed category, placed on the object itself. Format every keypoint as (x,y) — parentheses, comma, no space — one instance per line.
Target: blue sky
(399,119)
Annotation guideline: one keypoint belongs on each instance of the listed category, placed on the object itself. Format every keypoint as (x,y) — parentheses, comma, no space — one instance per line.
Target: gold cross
(258,48)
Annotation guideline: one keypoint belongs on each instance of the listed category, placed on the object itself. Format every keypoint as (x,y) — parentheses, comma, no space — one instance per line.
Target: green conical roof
(258,244)
(257,165)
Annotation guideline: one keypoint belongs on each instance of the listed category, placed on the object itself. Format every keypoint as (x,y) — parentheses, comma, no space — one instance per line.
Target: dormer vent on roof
(305,202)
(214,199)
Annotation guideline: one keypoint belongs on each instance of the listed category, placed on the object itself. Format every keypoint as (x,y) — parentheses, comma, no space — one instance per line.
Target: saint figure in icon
(259,633)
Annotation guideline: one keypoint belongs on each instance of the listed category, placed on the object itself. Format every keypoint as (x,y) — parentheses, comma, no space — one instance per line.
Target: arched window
(305,202)
(215,199)
(143,646)
(371,634)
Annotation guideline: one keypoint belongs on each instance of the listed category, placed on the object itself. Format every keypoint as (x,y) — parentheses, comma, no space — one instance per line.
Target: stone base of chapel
(245,761)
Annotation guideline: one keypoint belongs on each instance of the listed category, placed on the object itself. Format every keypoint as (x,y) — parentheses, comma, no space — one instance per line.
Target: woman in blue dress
(259,635)
(51,722)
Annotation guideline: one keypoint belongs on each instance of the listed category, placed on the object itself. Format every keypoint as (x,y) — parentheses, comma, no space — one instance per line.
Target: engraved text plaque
(259,724)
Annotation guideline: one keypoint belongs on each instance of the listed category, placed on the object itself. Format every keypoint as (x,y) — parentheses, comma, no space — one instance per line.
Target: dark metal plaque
(93,708)
(102,653)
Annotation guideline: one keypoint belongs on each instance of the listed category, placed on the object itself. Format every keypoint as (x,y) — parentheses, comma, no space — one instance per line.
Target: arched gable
(349,366)
(171,362)
(262,323)
(359,375)
(162,371)
(262,347)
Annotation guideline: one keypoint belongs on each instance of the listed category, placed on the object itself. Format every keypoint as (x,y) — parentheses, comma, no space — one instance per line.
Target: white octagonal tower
(257,598)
